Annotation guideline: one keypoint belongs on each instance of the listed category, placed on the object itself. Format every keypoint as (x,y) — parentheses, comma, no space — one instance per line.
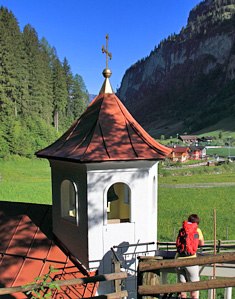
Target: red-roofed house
(179,153)
(197,152)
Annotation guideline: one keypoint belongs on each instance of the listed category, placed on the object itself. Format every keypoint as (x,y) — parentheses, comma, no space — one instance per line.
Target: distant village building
(179,153)
(207,139)
(183,154)
(189,139)
(197,152)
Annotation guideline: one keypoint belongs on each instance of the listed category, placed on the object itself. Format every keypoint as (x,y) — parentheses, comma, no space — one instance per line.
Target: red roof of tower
(106,131)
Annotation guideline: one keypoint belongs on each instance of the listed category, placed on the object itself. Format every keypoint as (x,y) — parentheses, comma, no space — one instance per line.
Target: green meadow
(29,180)
(223,151)
(175,205)
(25,180)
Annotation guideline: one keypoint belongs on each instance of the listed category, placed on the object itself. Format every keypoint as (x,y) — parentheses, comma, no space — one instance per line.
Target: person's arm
(201,242)
(201,238)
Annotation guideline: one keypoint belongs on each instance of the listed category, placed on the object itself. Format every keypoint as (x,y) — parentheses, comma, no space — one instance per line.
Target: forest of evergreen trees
(39,96)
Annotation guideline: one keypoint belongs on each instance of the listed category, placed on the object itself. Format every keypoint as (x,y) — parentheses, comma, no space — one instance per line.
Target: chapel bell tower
(104,180)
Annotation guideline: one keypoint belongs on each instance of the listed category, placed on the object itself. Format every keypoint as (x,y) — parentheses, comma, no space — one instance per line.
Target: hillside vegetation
(39,96)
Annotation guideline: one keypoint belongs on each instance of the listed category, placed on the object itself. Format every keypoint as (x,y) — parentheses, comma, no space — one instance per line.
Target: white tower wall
(141,177)
(91,238)
(73,236)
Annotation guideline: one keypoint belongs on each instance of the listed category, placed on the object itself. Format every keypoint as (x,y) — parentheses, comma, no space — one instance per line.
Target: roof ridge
(130,139)
(101,98)
(103,138)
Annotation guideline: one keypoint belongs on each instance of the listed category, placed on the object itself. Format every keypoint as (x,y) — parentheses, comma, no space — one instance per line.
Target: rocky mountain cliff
(188,81)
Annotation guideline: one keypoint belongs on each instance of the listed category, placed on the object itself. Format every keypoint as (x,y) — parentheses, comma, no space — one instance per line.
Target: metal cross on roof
(106,51)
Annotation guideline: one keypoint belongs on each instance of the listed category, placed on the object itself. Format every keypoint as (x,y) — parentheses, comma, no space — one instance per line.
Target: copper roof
(27,250)
(106,131)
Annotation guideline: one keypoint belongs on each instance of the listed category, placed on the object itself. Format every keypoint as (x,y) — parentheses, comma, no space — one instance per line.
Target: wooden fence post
(118,282)
(148,278)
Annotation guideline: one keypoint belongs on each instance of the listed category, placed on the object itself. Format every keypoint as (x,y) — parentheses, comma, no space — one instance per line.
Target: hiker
(187,248)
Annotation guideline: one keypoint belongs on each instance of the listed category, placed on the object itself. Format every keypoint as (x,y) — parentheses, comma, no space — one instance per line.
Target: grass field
(222,152)
(25,180)
(174,205)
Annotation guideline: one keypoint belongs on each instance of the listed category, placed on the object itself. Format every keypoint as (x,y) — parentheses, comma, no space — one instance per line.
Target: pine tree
(69,84)
(46,53)
(9,61)
(12,73)
(60,93)
(36,81)
(80,97)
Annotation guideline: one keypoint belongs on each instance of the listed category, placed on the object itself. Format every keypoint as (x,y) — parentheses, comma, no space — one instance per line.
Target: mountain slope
(184,80)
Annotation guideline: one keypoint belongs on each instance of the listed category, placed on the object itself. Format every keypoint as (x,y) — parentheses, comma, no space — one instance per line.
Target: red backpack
(188,238)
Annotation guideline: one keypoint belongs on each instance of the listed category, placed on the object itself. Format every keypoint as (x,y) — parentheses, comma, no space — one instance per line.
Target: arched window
(118,203)
(69,201)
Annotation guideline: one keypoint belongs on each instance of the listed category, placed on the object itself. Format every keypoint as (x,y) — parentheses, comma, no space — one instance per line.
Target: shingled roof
(27,249)
(106,131)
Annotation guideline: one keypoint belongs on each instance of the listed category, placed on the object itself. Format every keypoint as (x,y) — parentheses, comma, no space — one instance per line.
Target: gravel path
(197,185)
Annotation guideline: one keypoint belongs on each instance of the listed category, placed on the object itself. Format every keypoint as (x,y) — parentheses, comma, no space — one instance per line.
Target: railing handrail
(68,282)
(133,245)
(149,268)
(209,244)
(206,241)
(151,290)
(174,263)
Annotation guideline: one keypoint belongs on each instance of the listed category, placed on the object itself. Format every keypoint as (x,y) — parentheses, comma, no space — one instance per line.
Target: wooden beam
(173,263)
(69,282)
(118,295)
(117,282)
(186,287)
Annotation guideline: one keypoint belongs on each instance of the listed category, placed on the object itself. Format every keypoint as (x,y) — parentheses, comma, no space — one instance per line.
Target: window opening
(118,203)
(69,201)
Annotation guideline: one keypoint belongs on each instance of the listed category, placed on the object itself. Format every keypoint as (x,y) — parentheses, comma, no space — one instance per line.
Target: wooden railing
(149,274)
(222,246)
(76,281)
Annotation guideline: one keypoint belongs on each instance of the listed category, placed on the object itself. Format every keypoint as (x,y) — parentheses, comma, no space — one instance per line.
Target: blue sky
(77,29)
